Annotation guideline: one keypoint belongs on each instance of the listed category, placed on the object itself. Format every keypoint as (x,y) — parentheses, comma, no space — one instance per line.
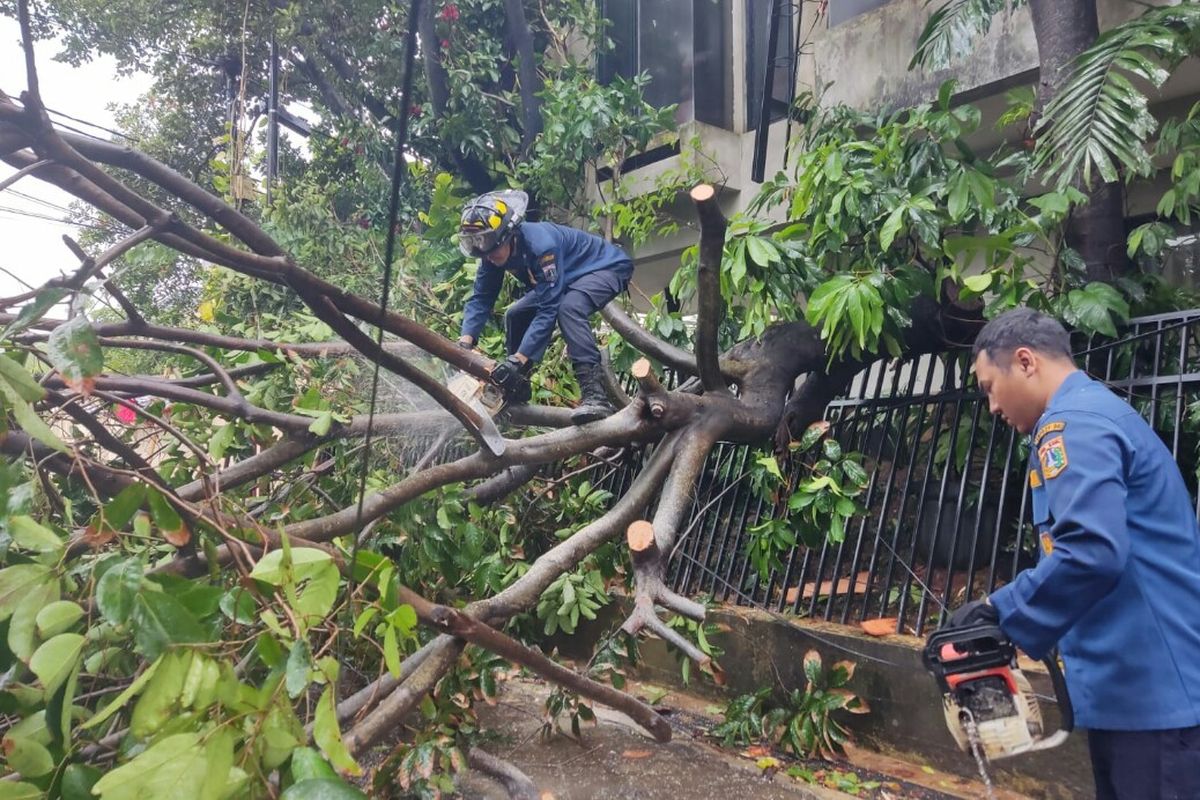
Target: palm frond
(1099,122)
(952,30)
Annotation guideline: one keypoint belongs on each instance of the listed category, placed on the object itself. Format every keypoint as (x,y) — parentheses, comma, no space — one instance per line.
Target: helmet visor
(477,244)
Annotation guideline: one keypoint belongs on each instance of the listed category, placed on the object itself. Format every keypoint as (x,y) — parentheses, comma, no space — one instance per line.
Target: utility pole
(273,119)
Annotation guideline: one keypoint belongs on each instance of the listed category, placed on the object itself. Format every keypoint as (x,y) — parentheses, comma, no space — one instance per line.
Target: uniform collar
(1073,382)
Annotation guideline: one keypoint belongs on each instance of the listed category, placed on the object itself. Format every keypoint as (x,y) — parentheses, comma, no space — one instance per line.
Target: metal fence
(947,500)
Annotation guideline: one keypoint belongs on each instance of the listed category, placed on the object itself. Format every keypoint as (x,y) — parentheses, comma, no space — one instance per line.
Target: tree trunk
(1064,29)
(470,168)
(521,41)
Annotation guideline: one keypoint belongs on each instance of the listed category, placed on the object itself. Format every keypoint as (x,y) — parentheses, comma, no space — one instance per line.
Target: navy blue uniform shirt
(546,259)
(1117,585)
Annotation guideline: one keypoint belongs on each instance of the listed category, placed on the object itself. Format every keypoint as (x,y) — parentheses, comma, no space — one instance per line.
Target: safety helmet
(490,220)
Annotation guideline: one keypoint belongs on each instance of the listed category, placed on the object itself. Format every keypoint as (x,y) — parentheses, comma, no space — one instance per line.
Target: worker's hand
(977,612)
(509,375)
(466,342)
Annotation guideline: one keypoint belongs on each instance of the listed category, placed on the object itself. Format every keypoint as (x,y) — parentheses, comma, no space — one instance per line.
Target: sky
(31,248)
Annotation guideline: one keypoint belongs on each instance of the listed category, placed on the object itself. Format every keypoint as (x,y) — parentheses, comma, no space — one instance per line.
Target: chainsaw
(486,400)
(986,698)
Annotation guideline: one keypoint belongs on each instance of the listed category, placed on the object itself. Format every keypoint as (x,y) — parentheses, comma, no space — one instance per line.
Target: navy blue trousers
(579,301)
(1146,765)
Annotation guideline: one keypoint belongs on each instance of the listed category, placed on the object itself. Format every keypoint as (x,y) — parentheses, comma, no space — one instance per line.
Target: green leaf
(891,227)
(24,384)
(238,605)
(404,619)
(167,519)
(219,442)
(58,617)
(20,790)
(307,764)
(328,736)
(322,789)
(78,780)
(769,463)
(30,422)
(75,352)
(159,620)
(116,590)
(30,313)
(391,651)
(304,562)
(116,513)
(320,426)
(27,757)
(812,435)
(163,696)
(56,658)
(22,628)
(299,664)
(175,767)
(124,697)
(978,283)
(28,534)
(956,201)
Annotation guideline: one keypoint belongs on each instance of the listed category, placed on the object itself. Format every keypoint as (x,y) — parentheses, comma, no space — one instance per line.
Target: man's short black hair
(1021,327)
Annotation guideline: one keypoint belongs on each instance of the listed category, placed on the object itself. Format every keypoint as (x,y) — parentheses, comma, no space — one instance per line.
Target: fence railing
(947,501)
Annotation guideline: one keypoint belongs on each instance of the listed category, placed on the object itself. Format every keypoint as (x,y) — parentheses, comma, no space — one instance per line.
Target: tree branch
(466,627)
(516,783)
(708,285)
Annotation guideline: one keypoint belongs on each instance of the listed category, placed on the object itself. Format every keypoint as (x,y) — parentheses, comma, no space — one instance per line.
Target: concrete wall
(905,720)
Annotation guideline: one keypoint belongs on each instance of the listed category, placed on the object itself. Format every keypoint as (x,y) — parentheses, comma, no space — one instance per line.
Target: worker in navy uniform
(1117,584)
(568,275)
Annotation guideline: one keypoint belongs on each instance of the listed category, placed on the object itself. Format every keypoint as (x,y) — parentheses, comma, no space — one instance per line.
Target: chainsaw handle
(1065,709)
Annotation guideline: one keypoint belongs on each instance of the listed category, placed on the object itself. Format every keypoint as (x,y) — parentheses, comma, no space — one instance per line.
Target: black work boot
(593,400)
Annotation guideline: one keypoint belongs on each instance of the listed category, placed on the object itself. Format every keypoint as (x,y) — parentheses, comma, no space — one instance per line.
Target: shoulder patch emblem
(1035,480)
(549,268)
(1049,427)
(1053,455)
(1047,543)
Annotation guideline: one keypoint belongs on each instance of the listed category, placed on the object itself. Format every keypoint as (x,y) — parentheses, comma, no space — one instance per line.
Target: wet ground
(616,761)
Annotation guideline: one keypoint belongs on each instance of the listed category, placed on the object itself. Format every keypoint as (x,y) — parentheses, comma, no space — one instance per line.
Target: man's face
(1011,391)
(500,255)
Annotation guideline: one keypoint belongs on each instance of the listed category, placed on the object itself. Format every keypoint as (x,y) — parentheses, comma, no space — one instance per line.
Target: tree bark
(1064,29)
(521,41)
(470,168)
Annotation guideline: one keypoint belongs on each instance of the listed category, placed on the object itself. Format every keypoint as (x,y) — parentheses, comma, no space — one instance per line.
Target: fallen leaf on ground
(884,626)
(756,751)
(637,753)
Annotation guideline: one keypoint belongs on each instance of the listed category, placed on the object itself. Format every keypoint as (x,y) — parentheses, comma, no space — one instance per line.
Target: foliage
(590,125)
(816,500)
(842,781)
(1099,122)
(804,724)
(952,29)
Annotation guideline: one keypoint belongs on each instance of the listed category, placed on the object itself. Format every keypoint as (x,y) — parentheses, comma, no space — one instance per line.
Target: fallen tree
(225,594)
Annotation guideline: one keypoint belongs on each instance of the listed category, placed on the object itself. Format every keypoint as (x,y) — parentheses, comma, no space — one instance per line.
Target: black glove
(976,612)
(509,375)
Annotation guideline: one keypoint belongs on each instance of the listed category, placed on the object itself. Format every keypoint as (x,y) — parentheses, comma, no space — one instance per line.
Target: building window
(842,10)
(682,45)
(758,31)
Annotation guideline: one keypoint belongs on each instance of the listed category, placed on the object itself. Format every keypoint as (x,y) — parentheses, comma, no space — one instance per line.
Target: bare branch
(708,285)
(466,627)
(516,783)
(665,353)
